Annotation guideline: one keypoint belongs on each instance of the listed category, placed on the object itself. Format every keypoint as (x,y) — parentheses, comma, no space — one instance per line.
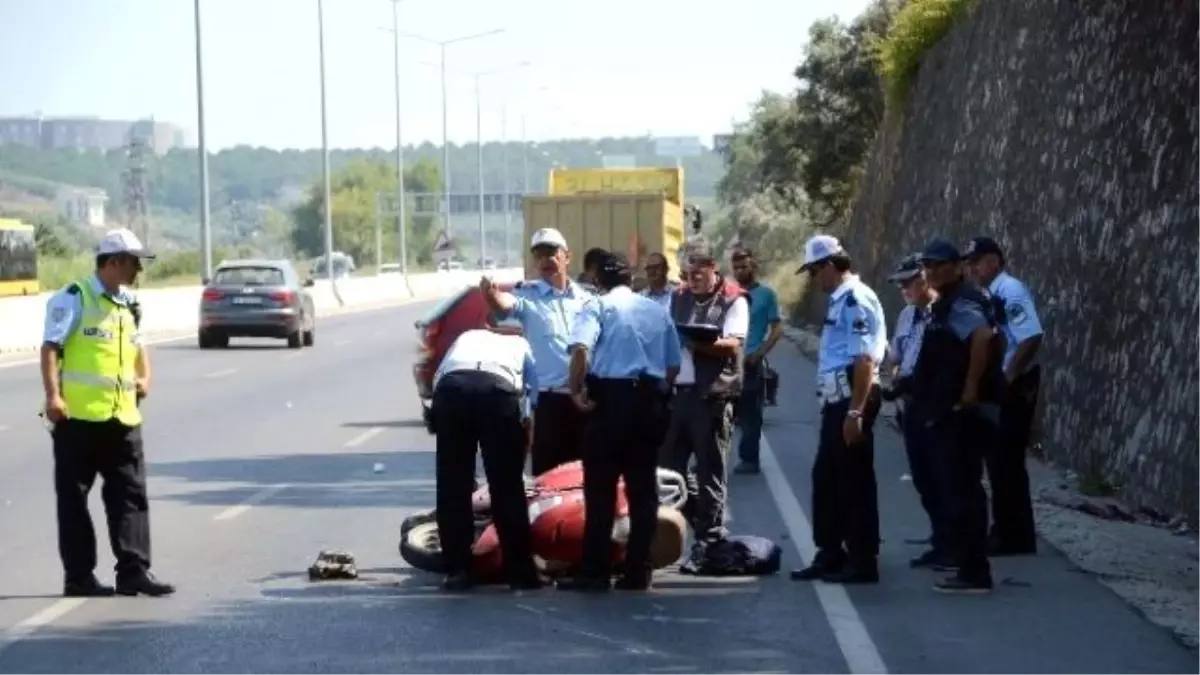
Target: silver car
(257,298)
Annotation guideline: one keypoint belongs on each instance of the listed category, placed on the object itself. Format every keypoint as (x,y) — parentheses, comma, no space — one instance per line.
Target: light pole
(479,141)
(442,44)
(205,213)
(401,219)
(325,178)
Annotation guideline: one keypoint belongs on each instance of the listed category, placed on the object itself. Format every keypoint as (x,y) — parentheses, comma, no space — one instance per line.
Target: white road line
(146,343)
(364,437)
(859,650)
(220,373)
(235,511)
(49,615)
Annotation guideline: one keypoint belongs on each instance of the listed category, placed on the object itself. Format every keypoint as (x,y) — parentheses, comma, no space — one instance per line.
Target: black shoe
(747,469)
(961,585)
(633,582)
(87,588)
(852,574)
(933,559)
(528,583)
(144,584)
(460,581)
(823,563)
(999,549)
(585,584)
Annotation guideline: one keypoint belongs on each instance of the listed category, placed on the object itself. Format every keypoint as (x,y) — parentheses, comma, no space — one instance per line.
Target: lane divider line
(859,650)
(235,511)
(220,373)
(45,617)
(364,437)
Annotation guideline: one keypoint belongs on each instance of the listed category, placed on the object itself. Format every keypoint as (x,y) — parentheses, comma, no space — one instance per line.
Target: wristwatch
(854,414)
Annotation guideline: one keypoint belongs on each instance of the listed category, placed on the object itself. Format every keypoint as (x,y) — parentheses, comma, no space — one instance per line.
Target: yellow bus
(18,259)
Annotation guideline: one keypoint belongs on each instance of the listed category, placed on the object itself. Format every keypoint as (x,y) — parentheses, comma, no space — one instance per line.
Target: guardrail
(175,310)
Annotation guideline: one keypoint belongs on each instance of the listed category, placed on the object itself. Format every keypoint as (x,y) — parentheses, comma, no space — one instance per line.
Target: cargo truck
(633,224)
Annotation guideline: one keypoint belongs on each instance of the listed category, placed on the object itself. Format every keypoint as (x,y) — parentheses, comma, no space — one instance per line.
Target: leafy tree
(354,188)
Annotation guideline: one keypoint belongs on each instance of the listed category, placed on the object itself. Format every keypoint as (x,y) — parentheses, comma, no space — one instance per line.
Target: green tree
(354,189)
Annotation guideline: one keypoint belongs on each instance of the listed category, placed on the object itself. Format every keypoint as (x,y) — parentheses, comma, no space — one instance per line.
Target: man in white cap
(845,506)
(94,372)
(547,308)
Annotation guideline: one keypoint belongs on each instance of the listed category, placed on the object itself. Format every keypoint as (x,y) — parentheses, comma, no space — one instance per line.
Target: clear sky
(612,68)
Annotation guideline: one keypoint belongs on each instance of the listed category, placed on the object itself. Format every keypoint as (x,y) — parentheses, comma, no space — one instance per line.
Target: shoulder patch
(58,314)
(859,326)
(1016,313)
(851,299)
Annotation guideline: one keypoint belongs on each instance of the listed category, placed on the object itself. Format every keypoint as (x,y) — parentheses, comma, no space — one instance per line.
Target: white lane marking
(859,650)
(48,615)
(145,343)
(220,373)
(235,511)
(364,437)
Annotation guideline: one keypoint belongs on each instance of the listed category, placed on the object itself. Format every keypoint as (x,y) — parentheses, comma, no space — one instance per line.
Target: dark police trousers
(112,450)
(960,440)
(919,447)
(622,439)
(475,409)
(845,502)
(1012,506)
(558,428)
(701,426)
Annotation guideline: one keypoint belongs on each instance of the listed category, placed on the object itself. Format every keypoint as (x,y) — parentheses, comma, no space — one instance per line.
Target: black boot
(825,562)
(144,584)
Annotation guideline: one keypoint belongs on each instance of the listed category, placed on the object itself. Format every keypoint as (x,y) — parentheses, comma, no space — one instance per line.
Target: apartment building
(89,133)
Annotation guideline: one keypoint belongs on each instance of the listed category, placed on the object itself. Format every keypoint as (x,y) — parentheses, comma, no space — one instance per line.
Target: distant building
(82,206)
(89,133)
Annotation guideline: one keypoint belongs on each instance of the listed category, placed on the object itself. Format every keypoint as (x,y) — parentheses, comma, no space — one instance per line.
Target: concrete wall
(1067,130)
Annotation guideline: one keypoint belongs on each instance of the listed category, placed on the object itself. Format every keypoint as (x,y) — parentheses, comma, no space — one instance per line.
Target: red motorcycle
(556,516)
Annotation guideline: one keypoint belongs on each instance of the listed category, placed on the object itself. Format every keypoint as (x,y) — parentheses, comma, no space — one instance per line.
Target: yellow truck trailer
(664,182)
(634,224)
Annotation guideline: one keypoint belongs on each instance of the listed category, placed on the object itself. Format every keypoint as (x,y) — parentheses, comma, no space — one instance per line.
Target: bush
(916,28)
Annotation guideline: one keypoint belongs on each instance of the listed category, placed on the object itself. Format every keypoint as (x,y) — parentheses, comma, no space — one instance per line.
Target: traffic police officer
(1013,531)
(547,309)
(483,394)
(845,505)
(957,386)
(625,346)
(94,370)
(902,359)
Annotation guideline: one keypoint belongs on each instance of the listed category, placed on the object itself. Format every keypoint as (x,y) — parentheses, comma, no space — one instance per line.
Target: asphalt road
(261,456)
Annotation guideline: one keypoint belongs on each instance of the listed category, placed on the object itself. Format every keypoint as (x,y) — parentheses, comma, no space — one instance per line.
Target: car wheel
(295,340)
(310,336)
(220,340)
(204,340)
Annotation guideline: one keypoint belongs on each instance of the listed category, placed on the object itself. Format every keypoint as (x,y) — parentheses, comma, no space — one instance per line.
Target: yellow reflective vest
(98,372)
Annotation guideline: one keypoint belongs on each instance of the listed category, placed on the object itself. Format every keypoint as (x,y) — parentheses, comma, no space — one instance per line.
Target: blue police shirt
(764,313)
(910,333)
(1021,315)
(547,316)
(64,311)
(628,335)
(854,326)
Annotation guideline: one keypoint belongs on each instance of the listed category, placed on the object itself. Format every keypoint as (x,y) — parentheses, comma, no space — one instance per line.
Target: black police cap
(981,246)
(908,268)
(940,250)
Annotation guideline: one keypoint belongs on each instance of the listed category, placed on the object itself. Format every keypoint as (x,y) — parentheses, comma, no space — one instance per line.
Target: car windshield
(249,276)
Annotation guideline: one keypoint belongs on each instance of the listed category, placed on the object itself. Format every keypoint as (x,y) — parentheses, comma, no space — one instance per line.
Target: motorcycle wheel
(420,545)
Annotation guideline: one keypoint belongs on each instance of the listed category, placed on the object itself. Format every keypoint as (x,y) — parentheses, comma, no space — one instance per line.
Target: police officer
(845,505)
(547,309)
(94,370)
(902,361)
(591,267)
(1013,531)
(659,286)
(624,348)
(483,393)
(710,379)
(957,387)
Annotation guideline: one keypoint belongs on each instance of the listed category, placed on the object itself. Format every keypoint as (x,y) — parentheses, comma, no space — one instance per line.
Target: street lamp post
(442,44)
(479,150)
(205,212)
(401,220)
(325,177)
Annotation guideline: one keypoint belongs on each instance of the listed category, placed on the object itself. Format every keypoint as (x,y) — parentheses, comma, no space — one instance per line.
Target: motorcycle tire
(420,545)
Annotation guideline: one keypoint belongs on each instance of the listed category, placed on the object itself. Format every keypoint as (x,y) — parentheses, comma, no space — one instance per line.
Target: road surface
(261,456)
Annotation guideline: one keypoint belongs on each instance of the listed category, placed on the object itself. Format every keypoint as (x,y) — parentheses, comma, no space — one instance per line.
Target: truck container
(663,182)
(634,224)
